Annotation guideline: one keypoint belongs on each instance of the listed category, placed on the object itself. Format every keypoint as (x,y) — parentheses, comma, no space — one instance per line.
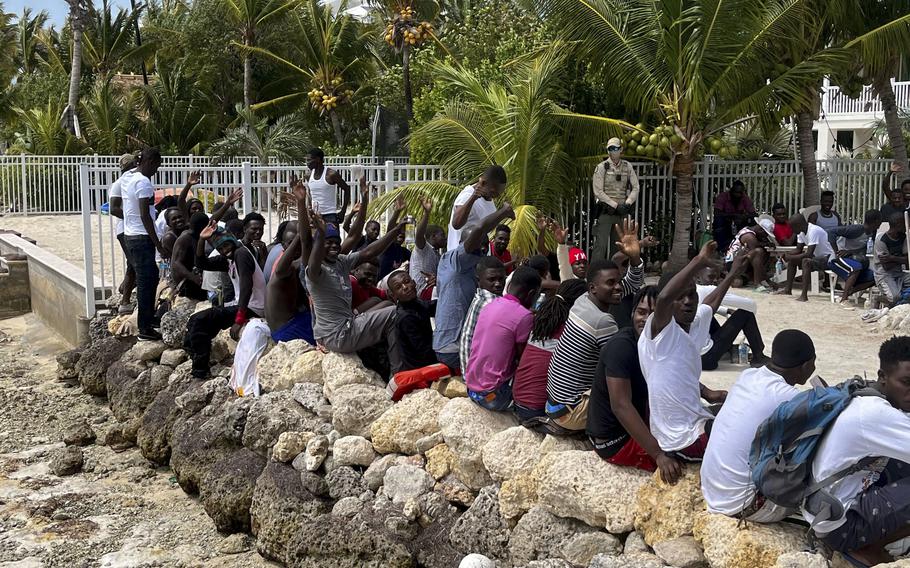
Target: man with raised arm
(475,203)
(327,278)
(428,241)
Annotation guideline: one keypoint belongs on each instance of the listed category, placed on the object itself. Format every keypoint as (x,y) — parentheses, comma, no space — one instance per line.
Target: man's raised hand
(427,203)
(208,231)
(628,242)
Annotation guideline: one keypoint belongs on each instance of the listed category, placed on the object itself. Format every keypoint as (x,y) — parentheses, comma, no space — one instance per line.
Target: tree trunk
(807,161)
(247,79)
(885,90)
(683,168)
(406,80)
(75,68)
(336,125)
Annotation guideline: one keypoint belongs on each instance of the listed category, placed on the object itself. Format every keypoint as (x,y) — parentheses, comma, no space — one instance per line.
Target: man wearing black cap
(725,475)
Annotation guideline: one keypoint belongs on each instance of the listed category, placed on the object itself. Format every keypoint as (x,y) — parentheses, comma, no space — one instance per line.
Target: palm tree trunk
(406,80)
(683,168)
(76,66)
(807,162)
(336,125)
(882,85)
(247,79)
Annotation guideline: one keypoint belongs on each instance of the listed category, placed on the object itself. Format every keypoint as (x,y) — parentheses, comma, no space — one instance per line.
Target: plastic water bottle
(744,353)
(869,245)
(410,231)
(779,266)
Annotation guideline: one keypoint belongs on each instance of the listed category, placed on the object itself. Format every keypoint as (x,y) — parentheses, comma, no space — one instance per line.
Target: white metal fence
(49,185)
(835,101)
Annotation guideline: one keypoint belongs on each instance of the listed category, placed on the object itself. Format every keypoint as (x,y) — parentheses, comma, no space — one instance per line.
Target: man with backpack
(726,479)
(867,503)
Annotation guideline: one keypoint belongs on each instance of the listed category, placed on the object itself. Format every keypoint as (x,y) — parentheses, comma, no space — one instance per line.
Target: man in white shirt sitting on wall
(813,251)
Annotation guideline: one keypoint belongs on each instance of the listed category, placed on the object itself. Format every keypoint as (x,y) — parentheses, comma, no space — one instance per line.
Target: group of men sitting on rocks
(581,349)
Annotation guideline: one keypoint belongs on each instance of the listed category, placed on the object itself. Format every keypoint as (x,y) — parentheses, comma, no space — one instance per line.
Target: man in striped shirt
(587,330)
(491,281)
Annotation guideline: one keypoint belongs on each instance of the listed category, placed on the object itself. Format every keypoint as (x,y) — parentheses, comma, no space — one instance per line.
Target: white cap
(614,142)
(768,226)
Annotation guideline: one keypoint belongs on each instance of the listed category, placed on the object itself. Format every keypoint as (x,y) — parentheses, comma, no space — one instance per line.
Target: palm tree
(30,48)
(543,147)
(408,24)
(286,140)
(111,42)
(7,47)
(110,117)
(697,65)
(44,133)
(326,61)
(250,16)
(77,23)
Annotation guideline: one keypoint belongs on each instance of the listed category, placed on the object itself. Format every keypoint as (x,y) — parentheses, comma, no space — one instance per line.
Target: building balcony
(835,102)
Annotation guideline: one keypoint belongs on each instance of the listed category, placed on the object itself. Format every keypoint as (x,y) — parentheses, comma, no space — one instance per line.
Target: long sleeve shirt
(615,184)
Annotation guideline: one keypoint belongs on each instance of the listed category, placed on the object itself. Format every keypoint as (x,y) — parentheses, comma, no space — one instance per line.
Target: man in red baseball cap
(579,262)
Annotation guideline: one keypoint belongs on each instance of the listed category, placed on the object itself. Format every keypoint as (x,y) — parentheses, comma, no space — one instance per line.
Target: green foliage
(43,132)
(286,140)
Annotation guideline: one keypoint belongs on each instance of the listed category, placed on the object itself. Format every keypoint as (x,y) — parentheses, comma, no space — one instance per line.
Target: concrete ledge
(14,288)
(56,287)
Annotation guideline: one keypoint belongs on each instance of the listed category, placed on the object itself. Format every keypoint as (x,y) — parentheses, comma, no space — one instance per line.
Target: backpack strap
(823,505)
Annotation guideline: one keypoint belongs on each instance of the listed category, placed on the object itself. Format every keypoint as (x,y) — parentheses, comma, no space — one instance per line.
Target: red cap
(576,254)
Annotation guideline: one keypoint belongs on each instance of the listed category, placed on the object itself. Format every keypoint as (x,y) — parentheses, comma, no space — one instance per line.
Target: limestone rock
(440,461)
(344,482)
(96,360)
(79,434)
(424,444)
(66,461)
(235,544)
(635,544)
(455,491)
(805,560)
(682,552)
(466,427)
(147,351)
(481,528)
(476,561)
(411,419)
(309,395)
(157,423)
(279,509)
(353,450)
(130,391)
(626,561)
(455,388)
(563,444)
(289,363)
(339,369)
(347,507)
(173,323)
(511,452)
(315,453)
(375,474)
(173,357)
(272,414)
(66,364)
(580,549)
(518,495)
(314,483)
(540,535)
(549,563)
(752,545)
(226,490)
(333,541)
(223,346)
(404,482)
(356,407)
(290,445)
(583,486)
(666,512)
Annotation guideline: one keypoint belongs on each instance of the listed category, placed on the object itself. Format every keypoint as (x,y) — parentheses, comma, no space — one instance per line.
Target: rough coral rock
(411,419)
(580,549)
(78,433)
(641,560)
(67,460)
(805,560)
(682,552)
(340,369)
(174,321)
(315,453)
(518,495)
(272,414)
(173,357)
(309,396)
(356,407)
(375,474)
(666,512)
(404,482)
(481,528)
(511,452)
(95,362)
(440,461)
(366,543)
(455,491)
(539,535)
(353,450)
(583,486)
(226,490)
(290,445)
(466,427)
(730,544)
(289,363)
(345,481)
(146,351)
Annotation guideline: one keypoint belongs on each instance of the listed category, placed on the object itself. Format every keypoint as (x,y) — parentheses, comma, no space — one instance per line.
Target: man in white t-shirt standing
(813,251)
(669,351)
(115,198)
(726,479)
(141,238)
(875,499)
(324,185)
(475,202)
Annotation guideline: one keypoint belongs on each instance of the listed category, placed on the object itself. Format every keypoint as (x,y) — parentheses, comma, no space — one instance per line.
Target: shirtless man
(287,309)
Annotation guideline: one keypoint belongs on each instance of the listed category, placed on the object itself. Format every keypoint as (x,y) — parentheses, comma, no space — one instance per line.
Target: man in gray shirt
(327,278)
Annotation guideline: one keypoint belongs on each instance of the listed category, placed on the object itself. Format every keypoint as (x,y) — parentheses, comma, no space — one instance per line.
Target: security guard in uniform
(616,189)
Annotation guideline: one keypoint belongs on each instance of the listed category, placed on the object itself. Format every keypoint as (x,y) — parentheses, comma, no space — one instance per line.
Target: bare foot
(802,299)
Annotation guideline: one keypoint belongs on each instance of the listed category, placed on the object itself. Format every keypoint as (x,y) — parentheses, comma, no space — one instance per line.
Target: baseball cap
(576,254)
(331,231)
(614,142)
(126,160)
(768,226)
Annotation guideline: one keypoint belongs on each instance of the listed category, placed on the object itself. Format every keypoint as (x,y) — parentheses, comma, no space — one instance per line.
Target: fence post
(22,181)
(389,175)
(88,264)
(703,206)
(246,179)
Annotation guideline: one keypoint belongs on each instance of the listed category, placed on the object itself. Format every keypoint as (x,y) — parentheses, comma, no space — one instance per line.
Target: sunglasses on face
(613,149)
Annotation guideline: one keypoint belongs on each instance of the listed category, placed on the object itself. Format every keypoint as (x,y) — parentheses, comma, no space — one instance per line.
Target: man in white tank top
(324,185)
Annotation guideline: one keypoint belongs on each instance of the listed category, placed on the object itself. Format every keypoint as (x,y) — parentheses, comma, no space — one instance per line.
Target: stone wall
(324,471)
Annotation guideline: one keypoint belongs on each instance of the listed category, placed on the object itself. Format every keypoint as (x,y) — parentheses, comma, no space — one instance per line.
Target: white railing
(835,101)
(48,185)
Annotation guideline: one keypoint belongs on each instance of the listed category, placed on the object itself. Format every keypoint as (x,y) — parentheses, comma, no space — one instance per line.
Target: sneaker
(149,335)
(873,315)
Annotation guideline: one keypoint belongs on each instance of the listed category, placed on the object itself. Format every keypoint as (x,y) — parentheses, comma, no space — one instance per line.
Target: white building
(845,125)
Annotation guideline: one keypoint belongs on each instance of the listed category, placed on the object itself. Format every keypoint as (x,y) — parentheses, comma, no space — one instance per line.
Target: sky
(57,9)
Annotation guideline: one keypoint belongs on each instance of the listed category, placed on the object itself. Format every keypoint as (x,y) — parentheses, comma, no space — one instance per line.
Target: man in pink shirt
(502,331)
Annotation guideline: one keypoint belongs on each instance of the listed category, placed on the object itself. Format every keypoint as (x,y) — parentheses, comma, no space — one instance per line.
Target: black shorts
(126,254)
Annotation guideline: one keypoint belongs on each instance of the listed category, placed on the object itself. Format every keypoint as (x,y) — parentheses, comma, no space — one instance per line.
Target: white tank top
(325,195)
(257,299)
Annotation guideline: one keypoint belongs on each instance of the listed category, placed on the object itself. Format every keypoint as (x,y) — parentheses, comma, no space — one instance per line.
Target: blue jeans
(142,256)
(450,360)
(499,399)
